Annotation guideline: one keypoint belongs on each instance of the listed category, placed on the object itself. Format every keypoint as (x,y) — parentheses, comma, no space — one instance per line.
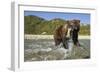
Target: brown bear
(70,29)
(60,35)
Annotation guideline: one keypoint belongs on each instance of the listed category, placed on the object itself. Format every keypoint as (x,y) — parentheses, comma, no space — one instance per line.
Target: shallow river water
(44,49)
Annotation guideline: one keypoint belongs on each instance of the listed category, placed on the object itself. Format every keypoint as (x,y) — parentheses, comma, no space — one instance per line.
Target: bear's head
(75,27)
(74,24)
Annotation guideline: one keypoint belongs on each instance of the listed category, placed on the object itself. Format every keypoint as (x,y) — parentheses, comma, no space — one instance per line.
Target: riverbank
(30,36)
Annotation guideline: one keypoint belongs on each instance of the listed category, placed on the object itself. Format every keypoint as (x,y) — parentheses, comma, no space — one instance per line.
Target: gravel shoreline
(29,36)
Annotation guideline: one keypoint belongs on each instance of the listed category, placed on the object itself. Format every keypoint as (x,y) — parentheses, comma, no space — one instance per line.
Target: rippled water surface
(44,49)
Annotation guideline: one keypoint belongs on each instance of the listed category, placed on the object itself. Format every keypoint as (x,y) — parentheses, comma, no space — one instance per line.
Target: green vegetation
(37,25)
(84,29)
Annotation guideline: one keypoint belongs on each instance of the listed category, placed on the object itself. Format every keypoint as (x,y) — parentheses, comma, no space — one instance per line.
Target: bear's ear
(78,21)
(68,21)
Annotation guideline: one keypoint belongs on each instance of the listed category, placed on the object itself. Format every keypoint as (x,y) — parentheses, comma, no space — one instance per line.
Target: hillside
(38,25)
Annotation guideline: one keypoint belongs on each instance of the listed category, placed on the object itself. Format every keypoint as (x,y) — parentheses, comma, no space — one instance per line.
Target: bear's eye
(70,26)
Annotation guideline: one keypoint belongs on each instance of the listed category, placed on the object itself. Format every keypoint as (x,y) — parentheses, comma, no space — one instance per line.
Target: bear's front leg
(65,42)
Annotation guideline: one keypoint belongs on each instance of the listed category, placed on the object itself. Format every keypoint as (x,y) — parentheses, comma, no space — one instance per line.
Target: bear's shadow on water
(42,50)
